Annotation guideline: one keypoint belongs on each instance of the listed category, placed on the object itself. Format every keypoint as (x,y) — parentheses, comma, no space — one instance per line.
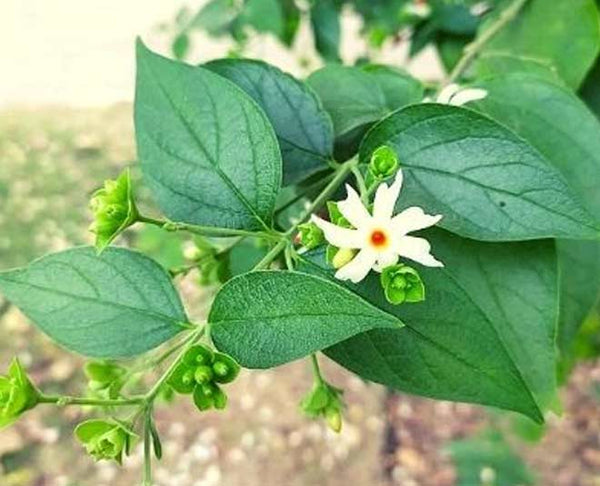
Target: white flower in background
(417,8)
(380,238)
(453,94)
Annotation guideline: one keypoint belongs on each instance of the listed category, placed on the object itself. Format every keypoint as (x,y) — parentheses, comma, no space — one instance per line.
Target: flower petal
(386,197)
(447,93)
(417,249)
(338,236)
(467,95)
(385,260)
(353,209)
(413,219)
(359,267)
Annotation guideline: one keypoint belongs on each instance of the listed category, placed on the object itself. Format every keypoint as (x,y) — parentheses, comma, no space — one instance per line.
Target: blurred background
(66,95)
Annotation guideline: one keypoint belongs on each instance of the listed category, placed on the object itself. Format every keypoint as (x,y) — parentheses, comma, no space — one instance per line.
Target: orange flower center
(378,238)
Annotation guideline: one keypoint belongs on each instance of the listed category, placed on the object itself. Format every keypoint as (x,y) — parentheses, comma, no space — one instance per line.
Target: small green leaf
(487,182)
(325,23)
(115,305)
(208,152)
(265,319)
(303,127)
(264,16)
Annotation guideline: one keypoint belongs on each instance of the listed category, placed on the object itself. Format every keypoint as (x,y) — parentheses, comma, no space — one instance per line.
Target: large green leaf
(355,97)
(485,333)
(560,126)
(119,304)
(302,126)
(265,319)
(207,150)
(566,33)
(487,182)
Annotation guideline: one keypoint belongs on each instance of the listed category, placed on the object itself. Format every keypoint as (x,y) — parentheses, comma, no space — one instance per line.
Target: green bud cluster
(384,163)
(105,378)
(402,283)
(106,439)
(311,235)
(324,401)
(200,372)
(114,210)
(17,394)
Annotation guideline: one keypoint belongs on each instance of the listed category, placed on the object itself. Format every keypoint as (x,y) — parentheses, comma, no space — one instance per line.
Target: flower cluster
(106,439)
(114,210)
(200,372)
(324,400)
(17,394)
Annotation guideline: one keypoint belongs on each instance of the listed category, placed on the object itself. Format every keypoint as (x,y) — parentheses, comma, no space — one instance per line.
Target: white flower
(380,238)
(453,94)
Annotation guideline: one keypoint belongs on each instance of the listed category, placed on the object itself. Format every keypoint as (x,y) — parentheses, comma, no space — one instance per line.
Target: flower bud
(198,355)
(225,368)
(17,394)
(208,396)
(333,417)
(324,401)
(402,284)
(114,210)
(342,257)
(311,235)
(104,439)
(182,379)
(384,162)
(203,374)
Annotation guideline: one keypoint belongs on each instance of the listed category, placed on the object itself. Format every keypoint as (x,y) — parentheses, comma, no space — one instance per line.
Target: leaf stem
(473,49)
(205,230)
(63,401)
(316,368)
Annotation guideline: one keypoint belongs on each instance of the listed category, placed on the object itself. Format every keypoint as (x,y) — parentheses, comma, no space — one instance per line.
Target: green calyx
(105,439)
(114,210)
(311,235)
(402,283)
(324,400)
(17,394)
(105,378)
(384,162)
(200,373)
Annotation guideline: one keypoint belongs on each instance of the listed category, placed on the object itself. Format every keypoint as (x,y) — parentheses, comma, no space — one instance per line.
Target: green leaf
(485,333)
(590,91)
(264,16)
(207,150)
(488,456)
(491,64)
(565,33)
(487,182)
(302,126)
(355,97)
(568,135)
(265,319)
(181,45)
(116,305)
(325,22)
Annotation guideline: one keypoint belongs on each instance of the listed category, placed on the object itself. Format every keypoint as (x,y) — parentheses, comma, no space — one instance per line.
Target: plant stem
(148,445)
(362,186)
(154,391)
(316,368)
(98,402)
(340,175)
(204,230)
(473,49)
